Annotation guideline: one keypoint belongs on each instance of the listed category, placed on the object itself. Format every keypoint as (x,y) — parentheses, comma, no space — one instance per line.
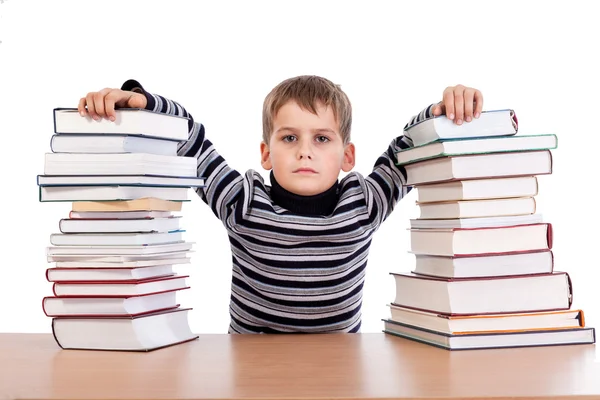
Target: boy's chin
(308,189)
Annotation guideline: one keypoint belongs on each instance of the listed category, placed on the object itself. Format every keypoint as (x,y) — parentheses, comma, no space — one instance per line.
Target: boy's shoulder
(353,181)
(254,176)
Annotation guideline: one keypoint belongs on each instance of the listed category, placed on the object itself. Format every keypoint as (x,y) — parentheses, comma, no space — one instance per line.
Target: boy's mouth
(305,170)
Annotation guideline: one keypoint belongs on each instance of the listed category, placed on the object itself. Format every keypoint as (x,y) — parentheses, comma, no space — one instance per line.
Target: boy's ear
(349,158)
(265,156)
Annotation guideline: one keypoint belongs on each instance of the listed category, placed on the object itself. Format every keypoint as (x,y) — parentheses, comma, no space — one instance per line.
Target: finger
(99,102)
(469,93)
(81,107)
(112,98)
(478,98)
(449,102)
(459,104)
(89,99)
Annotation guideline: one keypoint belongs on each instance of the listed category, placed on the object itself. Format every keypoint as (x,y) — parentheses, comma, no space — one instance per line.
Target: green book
(468,146)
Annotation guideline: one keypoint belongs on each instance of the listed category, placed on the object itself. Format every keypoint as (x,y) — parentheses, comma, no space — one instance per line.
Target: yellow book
(143,204)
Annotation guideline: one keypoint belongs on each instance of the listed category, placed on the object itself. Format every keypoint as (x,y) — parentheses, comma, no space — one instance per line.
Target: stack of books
(114,281)
(484,275)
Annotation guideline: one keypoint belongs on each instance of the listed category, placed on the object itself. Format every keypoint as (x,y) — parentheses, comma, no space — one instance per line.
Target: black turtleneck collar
(318,204)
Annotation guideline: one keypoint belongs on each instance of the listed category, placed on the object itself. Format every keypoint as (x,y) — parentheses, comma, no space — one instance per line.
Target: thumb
(136,100)
(439,109)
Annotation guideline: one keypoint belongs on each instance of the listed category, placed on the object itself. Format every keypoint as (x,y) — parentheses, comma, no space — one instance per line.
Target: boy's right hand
(102,104)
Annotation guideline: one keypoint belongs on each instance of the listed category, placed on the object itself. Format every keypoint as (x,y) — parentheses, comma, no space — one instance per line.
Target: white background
(220,59)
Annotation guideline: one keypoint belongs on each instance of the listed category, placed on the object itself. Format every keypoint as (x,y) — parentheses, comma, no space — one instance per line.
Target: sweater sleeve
(386,184)
(223,184)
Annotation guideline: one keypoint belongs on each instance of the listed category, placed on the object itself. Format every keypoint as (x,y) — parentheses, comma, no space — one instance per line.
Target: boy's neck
(318,204)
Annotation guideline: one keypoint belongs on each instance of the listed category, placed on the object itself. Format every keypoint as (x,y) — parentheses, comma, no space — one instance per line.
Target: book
(110,193)
(89,144)
(492,340)
(479,166)
(139,204)
(107,274)
(115,239)
(477,222)
(478,189)
(128,121)
(477,208)
(119,214)
(135,250)
(114,283)
(508,264)
(489,323)
(489,124)
(140,333)
(68,225)
(464,146)
(472,241)
(489,295)
(120,180)
(119,164)
(120,288)
(108,262)
(103,306)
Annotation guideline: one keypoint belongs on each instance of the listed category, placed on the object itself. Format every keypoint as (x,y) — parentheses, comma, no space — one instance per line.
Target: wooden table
(334,366)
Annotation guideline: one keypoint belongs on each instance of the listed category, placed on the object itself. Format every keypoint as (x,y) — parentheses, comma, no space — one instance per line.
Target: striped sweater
(293,273)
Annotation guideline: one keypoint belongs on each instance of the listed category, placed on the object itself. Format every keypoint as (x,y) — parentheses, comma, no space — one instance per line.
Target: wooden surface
(353,366)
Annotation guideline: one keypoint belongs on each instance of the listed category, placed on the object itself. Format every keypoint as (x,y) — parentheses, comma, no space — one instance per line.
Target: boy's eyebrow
(318,130)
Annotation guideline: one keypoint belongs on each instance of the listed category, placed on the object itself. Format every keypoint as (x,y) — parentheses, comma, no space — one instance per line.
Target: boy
(300,246)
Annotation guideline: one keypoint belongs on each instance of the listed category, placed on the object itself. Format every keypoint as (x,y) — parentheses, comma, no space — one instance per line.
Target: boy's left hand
(460,103)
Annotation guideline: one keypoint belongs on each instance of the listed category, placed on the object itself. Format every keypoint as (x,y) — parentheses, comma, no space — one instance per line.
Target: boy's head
(306,134)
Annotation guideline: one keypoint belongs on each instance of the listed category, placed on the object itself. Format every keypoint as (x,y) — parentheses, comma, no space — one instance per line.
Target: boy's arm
(385,185)
(224,185)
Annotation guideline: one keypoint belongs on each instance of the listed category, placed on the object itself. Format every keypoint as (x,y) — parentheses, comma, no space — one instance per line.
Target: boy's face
(306,151)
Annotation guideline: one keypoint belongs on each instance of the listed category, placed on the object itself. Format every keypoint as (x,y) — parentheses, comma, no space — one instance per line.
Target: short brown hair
(308,91)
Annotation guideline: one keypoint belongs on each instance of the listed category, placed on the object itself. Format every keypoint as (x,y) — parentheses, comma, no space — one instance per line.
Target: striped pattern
(294,273)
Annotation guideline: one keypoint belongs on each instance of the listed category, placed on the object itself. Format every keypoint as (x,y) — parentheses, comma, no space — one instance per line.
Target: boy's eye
(322,139)
(289,138)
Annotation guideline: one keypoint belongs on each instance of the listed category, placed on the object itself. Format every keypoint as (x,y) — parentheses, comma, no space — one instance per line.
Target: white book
(479,166)
(105,306)
(122,180)
(123,288)
(105,262)
(477,189)
(115,239)
(119,164)
(140,333)
(478,208)
(473,241)
(141,250)
(527,263)
(91,260)
(107,274)
(493,295)
(119,214)
(129,121)
(490,123)
(69,225)
(81,143)
(480,222)
(111,193)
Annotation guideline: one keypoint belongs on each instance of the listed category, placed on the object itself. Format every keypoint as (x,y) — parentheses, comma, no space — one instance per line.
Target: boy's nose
(305,151)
